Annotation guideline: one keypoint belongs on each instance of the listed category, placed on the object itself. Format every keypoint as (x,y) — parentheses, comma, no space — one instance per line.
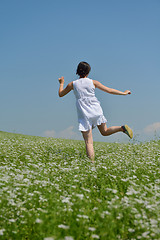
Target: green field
(50,190)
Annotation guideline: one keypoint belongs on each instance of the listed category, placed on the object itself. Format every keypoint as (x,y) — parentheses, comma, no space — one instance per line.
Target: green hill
(50,190)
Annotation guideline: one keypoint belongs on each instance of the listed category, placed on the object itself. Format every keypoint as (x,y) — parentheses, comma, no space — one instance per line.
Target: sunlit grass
(50,190)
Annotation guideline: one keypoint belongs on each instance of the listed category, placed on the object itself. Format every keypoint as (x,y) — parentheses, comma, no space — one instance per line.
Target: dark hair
(83,69)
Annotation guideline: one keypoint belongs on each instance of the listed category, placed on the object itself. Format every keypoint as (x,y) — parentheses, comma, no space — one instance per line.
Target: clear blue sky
(41,41)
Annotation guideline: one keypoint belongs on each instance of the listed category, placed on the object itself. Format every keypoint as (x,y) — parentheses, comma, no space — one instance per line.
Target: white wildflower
(95,208)
(131,230)
(48,238)
(138,215)
(12,220)
(124,179)
(145,234)
(63,226)
(1,231)
(38,220)
(68,238)
(91,229)
(153,222)
(87,190)
(131,191)
(95,236)
(66,200)
(106,212)
(114,191)
(82,216)
(93,169)
(81,196)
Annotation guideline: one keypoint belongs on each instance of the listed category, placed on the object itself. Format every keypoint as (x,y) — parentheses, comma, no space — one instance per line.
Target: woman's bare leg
(108,131)
(89,144)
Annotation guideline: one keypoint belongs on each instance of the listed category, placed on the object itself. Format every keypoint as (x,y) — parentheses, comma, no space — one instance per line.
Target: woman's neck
(83,77)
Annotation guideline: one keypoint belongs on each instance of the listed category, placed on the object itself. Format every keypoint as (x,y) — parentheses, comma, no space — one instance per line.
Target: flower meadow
(50,190)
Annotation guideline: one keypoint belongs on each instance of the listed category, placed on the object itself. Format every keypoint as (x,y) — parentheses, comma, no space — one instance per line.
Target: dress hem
(91,124)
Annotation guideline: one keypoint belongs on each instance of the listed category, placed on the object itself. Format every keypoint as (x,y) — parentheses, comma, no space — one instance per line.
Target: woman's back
(84,88)
(88,107)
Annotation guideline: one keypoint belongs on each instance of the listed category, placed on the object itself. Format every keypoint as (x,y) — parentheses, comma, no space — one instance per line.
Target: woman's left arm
(62,92)
(110,90)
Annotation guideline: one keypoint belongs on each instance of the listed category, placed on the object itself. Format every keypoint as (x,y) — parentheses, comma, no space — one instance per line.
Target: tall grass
(50,190)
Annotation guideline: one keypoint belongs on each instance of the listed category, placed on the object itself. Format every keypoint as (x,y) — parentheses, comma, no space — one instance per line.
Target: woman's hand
(127,92)
(61,80)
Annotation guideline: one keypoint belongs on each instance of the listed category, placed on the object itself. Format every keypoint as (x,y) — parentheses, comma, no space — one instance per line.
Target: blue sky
(44,40)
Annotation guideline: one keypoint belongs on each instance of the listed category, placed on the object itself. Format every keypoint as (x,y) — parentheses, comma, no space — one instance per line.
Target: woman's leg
(108,131)
(89,143)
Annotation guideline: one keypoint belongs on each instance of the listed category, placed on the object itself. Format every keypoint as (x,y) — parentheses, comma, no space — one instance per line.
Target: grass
(50,190)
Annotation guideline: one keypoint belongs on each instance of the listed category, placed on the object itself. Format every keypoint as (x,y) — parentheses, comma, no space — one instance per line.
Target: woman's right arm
(62,92)
(109,90)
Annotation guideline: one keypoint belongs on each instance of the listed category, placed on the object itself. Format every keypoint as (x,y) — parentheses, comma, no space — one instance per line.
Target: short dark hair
(83,69)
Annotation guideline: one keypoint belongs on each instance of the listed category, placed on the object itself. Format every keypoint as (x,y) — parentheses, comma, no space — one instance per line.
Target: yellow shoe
(127,130)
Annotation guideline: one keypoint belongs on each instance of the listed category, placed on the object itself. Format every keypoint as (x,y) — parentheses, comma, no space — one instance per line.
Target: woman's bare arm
(62,92)
(109,90)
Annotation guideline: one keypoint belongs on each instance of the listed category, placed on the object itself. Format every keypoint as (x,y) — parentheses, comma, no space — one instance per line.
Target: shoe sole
(129,131)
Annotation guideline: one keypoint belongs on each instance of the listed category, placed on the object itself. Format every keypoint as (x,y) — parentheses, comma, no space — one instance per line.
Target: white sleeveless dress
(90,113)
